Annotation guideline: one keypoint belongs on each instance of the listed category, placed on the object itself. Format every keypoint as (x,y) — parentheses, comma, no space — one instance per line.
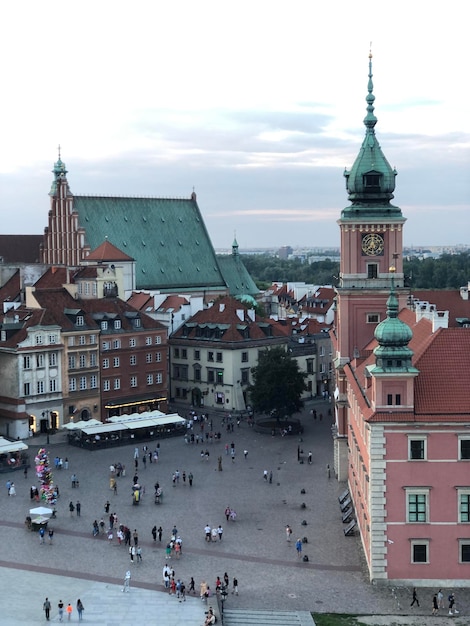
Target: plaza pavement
(253,548)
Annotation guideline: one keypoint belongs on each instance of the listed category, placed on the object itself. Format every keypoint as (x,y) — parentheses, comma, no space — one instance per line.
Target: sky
(256,105)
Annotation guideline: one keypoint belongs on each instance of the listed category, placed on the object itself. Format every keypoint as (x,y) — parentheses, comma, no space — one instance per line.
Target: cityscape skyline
(259,116)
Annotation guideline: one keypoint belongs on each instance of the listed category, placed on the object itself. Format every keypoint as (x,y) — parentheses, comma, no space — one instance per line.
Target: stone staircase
(242,617)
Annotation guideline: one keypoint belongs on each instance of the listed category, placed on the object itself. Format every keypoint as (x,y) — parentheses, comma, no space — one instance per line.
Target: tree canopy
(278,384)
(450,271)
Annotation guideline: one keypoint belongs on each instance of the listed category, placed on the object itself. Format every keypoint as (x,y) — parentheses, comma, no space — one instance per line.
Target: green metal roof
(166,237)
(371,180)
(236,276)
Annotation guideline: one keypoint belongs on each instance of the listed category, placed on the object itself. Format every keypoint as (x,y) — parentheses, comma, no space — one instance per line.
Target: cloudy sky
(256,104)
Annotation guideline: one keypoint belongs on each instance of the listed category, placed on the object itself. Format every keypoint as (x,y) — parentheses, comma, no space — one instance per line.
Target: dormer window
(137,322)
(117,324)
(104,325)
(80,320)
(371,181)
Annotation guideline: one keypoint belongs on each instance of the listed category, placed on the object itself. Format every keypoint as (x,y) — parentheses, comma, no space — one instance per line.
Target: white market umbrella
(41,511)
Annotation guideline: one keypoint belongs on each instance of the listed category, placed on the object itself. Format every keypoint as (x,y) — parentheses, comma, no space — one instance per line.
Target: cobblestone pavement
(254,547)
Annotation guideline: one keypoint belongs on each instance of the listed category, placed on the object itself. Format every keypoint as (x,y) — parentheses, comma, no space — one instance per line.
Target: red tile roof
(446,300)
(107,252)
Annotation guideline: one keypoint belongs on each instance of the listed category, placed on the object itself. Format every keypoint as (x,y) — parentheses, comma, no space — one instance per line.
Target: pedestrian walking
(135,536)
(127,582)
(42,532)
(160,533)
(415,597)
(78,508)
(298,547)
(106,507)
(80,609)
(220,532)
(271,477)
(69,610)
(71,508)
(309,458)
(435,606)
(328,471)
(245,453)
(288,532)
(235,586)
(47,608)
(452,607)
(51,534)
(12,490)
(227,513)
(265,475)
(60,606)
(192,585)
(139,554)
(190,479)
(440,599)
(154,533)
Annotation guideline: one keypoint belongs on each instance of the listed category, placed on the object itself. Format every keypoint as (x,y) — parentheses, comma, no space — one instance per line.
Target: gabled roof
(236,276)
(11,290)
(20,248)
(166,237)
(107,252)
(233,320)
(53,278)
(441,387)
(60,306)
(19,321)
(172,303)
(140,300)
(446,300)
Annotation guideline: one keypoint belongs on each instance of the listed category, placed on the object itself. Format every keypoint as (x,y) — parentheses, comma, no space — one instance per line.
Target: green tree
(278,383)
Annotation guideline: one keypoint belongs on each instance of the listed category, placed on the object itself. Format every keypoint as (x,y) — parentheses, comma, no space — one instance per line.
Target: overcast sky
(256,104)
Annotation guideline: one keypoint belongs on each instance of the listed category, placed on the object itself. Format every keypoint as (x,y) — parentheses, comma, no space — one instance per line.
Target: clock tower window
(372,270)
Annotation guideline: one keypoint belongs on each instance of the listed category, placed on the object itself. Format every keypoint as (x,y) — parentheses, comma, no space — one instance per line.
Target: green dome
(393,337)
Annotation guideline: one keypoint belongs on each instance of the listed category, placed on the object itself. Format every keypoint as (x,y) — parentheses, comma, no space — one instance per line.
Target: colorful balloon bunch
(43,472)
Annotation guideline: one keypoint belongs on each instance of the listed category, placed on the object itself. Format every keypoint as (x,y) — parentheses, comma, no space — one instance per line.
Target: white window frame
(106,385)
(93,381)
(133,381)
(116,361)
(463,542)
(417,491)
(463,438)
(132,342)
(133,359)
(422,438)
(117,383)
(419,542)
(72,384)
(463,491)
(105,364)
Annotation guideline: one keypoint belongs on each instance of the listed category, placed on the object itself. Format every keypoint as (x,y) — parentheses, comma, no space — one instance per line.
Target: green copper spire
(60,173)
(371,180)
(393,336)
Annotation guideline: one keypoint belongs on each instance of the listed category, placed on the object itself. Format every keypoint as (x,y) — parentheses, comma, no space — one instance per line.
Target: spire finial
(58,149)
(370,120)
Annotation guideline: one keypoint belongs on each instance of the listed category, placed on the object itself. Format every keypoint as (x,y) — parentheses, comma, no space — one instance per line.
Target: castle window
(420,551)
(417,449)
(373,318)
(417,505)
(372,270)
(464,449)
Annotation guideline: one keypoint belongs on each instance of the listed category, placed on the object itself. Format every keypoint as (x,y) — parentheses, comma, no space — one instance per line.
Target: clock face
(373,244)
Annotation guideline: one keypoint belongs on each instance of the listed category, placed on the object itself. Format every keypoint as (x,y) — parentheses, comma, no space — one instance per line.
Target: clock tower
(371,242)
(371,252)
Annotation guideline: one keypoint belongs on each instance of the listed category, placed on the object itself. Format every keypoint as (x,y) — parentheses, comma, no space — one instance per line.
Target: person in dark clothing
(415,597)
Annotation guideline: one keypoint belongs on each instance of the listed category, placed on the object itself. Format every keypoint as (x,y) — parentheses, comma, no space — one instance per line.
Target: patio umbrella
(41,511)
(40,520)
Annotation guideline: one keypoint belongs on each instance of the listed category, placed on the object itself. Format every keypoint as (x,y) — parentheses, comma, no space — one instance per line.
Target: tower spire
(370,120)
